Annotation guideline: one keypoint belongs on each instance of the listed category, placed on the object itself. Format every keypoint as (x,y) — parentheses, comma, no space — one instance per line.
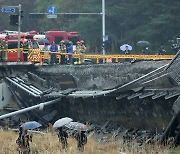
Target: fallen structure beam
(134,96)
(40,106)
(160,94)
(172,94)
(146,94)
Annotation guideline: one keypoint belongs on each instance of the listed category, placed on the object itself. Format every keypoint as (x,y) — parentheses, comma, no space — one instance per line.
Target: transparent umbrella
(142,43)
(125,46)
(77,126)
(61,122)
(31,125)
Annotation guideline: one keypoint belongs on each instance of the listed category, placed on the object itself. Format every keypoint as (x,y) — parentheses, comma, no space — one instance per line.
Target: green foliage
(127,21)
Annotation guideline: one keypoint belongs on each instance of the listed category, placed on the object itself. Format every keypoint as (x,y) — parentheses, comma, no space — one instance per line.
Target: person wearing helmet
(1,55)
(26,47)
(4,50)
(63,51)
(77,51)
(82,51)
(78,46)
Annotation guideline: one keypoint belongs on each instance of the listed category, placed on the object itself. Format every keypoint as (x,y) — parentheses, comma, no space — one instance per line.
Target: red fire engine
(57,36)
(12,49)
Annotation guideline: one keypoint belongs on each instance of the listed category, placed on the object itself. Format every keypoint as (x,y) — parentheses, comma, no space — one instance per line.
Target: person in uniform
(1,50)
(4,47)
(77,51)
(81,49)
(63,51)
(26,47)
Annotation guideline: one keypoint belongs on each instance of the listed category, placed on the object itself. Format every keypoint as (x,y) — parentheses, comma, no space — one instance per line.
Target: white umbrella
(124,46)
(61,122)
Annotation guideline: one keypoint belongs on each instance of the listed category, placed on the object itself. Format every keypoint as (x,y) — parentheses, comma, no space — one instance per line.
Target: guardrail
(108,57)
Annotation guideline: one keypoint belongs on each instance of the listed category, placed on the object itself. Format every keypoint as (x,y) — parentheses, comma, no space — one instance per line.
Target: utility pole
(103,29)
(53,14)
(19,31)
(11,9)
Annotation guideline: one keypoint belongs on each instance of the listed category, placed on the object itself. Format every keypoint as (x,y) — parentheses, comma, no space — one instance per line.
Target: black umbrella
(45,41)
(143,43)
(66,42)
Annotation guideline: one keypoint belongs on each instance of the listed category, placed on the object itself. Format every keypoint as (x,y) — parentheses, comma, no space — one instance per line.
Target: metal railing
(108,57)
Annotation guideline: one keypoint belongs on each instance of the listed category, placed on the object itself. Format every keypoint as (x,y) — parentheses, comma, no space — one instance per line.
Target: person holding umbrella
(81,140)
(19,140)
(23,141)
(62,135)
(126,48)
(127,51)
(24,138)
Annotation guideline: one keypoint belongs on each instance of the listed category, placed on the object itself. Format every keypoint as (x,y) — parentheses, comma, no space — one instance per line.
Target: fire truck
(34,50)
(10,49)
(57,36)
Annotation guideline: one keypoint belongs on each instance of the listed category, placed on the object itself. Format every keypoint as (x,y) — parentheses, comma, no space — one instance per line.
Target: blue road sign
(52,10)
(8,10)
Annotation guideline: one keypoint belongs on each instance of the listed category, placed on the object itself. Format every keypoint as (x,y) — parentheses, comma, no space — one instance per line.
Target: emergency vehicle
(12,49)
(57,36)
(3,36)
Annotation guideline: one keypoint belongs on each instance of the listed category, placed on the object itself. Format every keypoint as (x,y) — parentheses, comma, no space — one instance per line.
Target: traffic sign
(8,10)
(52,10)
(51,16)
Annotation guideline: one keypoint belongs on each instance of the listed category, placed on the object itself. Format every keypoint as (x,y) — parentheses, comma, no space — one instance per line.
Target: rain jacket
(53,48)
(70,49)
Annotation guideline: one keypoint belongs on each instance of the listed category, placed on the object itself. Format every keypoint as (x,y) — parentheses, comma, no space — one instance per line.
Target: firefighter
(82,51)
(26,46)
(77,51)
(78,46)
(0,50)
(63,52)
(4,47)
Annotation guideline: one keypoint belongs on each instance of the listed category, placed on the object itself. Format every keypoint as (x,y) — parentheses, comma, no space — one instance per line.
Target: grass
(49,144)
